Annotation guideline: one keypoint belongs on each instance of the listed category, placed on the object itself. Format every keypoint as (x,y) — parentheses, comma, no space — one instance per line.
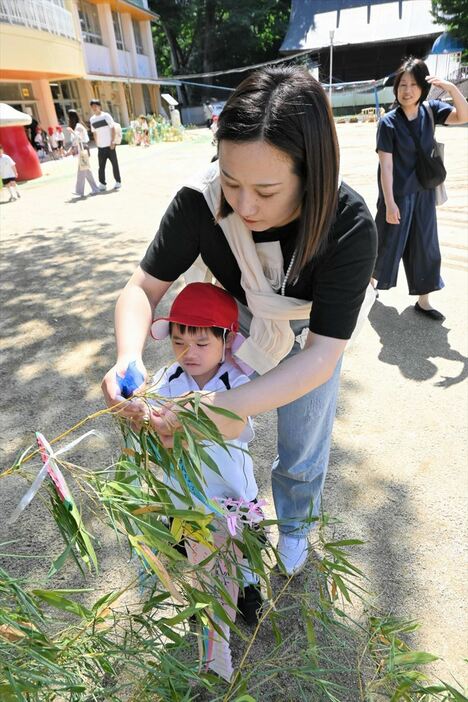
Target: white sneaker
(18,195)
(292,554)
(101,186)
(117,185)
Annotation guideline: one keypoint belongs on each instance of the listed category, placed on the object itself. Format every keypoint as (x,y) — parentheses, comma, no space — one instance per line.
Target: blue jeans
(304,438)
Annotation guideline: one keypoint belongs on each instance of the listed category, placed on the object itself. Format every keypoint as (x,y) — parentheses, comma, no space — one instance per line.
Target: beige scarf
(271,337)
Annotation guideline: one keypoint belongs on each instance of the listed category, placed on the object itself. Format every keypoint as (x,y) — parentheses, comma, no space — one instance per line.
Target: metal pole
(332,34)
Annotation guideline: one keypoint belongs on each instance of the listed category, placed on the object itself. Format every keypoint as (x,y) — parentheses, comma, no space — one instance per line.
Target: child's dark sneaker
(249,603)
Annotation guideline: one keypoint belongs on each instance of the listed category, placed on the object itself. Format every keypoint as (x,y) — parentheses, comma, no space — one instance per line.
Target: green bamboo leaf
(170,633)
(154,602)
(222,411)
(414,658)
(208,460)
(59,562)
(106,600)
(341,586)
(330,566)
(344,542)
(56,600)
(185,614)
(311,637)
(457,696)
(192,448)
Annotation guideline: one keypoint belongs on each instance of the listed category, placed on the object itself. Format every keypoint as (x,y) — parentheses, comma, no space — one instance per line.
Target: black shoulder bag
(430,170)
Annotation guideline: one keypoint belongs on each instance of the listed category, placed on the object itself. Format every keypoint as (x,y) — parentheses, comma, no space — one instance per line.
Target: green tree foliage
(195,36)
(454,14)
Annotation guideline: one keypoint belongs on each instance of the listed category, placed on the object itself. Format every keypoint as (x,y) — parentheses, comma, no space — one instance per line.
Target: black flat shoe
(249,603)
(433,314)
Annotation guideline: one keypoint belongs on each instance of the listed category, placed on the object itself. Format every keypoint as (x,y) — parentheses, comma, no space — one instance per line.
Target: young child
(9,174)
(60,139)
(202,325)
(53,141)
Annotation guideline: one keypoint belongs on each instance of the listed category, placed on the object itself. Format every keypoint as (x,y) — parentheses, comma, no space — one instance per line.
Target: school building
(57,55)
(357,45)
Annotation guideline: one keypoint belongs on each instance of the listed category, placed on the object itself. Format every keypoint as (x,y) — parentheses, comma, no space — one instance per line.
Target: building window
(89,21)
(118,31)
(66,97)
(9,92)
(138,39)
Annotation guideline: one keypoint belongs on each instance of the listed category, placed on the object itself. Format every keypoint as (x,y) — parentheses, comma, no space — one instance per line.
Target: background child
(40,144)
(9,174)
(202,324)
(60,138)
(53,141)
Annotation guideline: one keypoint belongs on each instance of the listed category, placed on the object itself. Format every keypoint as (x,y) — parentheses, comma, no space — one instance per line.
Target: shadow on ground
(409,341)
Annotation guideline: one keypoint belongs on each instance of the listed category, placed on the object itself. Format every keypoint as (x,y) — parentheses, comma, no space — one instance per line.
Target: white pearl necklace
(291,264)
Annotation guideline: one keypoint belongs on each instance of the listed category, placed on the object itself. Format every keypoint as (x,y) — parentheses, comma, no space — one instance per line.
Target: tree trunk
(209,34)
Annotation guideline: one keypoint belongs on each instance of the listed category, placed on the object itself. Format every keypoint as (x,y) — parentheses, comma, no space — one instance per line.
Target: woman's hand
(392,213)
(134,409)
(460,114)
(440,83)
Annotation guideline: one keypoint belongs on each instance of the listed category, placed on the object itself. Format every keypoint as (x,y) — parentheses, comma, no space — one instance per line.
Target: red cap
(199,305)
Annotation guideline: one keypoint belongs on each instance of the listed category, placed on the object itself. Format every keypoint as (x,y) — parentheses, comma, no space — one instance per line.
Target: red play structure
(15,142)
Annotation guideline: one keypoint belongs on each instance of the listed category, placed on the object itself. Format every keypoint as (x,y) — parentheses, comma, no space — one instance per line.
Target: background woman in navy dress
(406,215)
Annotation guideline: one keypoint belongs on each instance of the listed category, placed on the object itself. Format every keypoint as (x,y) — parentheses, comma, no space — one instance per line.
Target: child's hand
(164,422)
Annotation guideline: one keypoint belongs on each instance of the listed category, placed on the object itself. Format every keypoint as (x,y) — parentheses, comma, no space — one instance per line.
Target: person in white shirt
(79,140)
(60,138)
(9,174)
(202,325)
(53,143)
(102,126)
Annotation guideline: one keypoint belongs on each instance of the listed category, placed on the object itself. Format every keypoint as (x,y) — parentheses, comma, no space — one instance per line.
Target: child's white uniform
(6,167)
(236,478)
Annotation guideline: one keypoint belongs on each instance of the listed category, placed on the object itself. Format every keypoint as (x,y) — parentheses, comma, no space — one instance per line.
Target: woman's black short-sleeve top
(394,137)
(335,281)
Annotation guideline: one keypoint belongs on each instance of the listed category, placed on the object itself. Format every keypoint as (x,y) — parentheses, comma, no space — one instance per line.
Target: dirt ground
(398,468)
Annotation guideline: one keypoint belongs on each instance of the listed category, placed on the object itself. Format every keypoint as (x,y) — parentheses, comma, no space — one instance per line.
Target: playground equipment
(15,142)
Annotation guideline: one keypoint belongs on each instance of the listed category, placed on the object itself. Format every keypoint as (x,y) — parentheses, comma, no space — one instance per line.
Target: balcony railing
(46,15)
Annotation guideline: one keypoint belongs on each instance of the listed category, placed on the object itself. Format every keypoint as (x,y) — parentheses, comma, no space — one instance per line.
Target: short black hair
(95,102)
(218,332)
(418,69)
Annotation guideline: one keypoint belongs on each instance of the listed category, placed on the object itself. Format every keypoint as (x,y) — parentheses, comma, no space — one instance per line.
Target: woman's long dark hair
(73,118)
(288,109)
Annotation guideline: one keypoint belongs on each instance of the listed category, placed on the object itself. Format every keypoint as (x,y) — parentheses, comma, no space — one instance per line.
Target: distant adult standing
(79,139)
(102,126)
(406,214)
